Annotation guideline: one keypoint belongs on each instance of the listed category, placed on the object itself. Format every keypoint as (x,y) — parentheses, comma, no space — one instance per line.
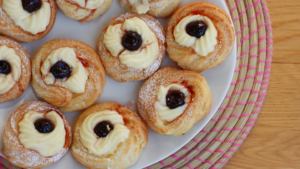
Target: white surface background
(159,146)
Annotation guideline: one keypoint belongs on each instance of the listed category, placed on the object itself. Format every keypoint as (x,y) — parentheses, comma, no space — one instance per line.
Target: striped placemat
(230,126)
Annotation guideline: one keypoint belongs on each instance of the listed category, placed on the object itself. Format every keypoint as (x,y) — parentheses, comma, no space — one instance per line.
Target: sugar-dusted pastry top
(78,74)
(10,68)
(89,4)
(34,22)
(105,145)
(47,144)
(166,113)
(145,55)
(202,45)
(139,6)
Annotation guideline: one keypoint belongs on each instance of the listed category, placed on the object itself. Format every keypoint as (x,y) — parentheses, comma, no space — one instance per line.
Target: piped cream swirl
(142,58)
(164,112)
(32,22)
(89,4)
(203,45)
(76,82)
(106,145)
(46,144)
(8,81)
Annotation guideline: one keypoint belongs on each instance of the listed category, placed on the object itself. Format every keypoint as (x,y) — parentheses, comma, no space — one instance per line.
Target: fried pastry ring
(83,14)
(22,157)
(25,72)
(197,105)
(187,57)
(9,28)
(127,152)
(157,8)
(62,97)
(119,71)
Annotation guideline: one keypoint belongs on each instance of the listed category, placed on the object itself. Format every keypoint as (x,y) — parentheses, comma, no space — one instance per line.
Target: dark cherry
(175,99)
(44,126)
(31,5)
(102,129)
(4,67)
(196,29)
(132,41)
(61,70)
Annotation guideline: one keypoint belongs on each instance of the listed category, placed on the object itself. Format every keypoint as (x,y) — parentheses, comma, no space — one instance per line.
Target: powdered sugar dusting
(26,158)
(200,98)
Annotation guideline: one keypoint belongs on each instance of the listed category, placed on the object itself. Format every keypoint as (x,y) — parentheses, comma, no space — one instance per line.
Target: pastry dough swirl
(203,45)
(8,81)
(198,100)
(32,22)
(107,145)
(76,82)
(165,113)
(156,8)
(144,57)
(46,144)
(187,57)
(15,152)
(126,153)
(62,97)
(89,4)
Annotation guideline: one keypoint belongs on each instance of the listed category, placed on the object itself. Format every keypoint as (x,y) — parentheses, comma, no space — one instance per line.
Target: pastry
(171,101)
(84,10)
(199,36)
(68,74)
(108,135)
(36,135)
(27,20)
(15,69)
(156,8)
(132,47)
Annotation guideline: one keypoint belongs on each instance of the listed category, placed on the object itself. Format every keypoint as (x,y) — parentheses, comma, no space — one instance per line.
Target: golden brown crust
(76,12)
(16,91)
(186,57)
(119,71)
(61,97)
(163,10)
(127,152)
(157,8)
(15,152)
(8,27)
(196,110)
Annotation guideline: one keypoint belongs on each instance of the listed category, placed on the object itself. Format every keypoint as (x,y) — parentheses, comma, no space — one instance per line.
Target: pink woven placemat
(226,131)
(230,126)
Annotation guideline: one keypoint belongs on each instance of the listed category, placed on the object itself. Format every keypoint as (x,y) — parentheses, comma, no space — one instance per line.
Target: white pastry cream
(139,6)
(32,22)
(47,144)
(102,146)
(89,4)
(7,81)
(76,82)
(203,45)
(164,112)
(145,56)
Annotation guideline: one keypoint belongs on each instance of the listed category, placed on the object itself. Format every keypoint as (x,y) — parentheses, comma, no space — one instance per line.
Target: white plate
(159,146)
